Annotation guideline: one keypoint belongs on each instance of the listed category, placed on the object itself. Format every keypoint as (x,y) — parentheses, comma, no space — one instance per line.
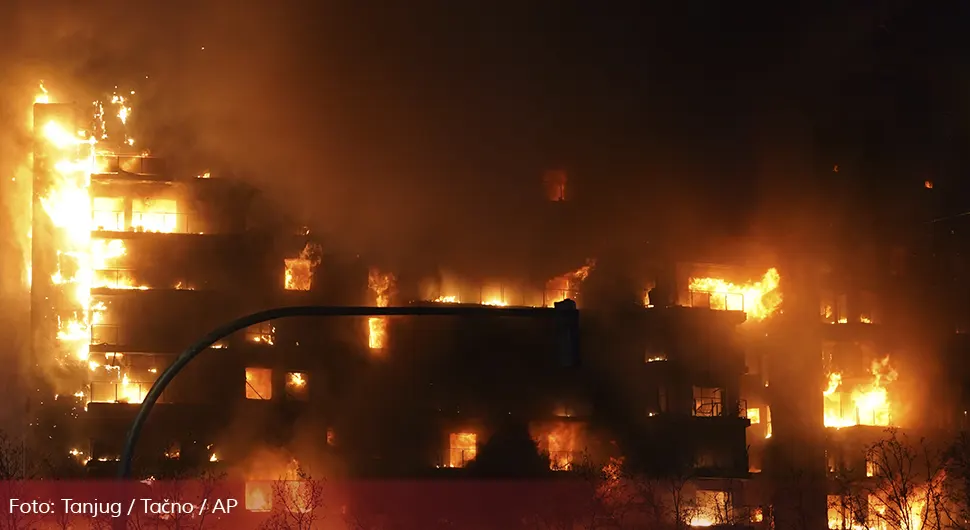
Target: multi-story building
(710,381)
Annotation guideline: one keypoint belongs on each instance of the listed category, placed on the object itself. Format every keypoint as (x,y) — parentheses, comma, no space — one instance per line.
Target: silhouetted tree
(510,453)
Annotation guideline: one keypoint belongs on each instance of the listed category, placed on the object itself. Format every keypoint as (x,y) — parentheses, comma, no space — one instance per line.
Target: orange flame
(758,300)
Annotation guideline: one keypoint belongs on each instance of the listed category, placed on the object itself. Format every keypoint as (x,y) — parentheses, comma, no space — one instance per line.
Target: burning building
(719,371)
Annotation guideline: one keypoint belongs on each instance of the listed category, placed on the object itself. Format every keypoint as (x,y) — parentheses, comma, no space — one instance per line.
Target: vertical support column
(797,460)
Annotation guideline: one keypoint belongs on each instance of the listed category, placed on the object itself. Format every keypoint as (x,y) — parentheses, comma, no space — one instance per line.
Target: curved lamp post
(565,311)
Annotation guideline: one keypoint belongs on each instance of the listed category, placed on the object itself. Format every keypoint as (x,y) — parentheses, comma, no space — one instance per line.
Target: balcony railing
(119,392)
(141,165)
(716,301)
(153,222)
(708,407)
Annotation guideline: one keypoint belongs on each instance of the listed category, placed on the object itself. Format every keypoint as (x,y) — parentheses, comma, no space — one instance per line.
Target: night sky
(428,124)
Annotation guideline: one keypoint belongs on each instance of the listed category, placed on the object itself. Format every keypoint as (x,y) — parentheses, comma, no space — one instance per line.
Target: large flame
(866,404)
(83,261)
(758,300)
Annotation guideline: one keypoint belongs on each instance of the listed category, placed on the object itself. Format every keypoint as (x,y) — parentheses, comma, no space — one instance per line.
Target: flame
(298,275)
(43,96)
(381,285)
(259,383)
(870,400)
(296,385)
(567,285)
(259,496)
(564,441)
(758,300)
(130,393)
(274,477)
(446,300)
(68,205)
(464,447)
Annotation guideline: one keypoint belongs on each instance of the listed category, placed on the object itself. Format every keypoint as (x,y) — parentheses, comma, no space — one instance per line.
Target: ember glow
(380,285)
(866,403)
(758,300)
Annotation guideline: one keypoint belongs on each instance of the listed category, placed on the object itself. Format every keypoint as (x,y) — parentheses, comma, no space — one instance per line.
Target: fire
(464,448)
(564,440)
(870,404)
(68,205)
(296,385)
(298,275)
(446,300)
(72,157)
(380,284)
(758,300)
(273,477)
(129,392)
(43,96)
(567,285)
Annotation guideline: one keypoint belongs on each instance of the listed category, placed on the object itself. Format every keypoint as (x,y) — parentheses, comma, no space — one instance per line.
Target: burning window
(122,391)
(707,401)
(108,214)
(463,448)
(754,416)
(294,496)
(833,308)
(259,383)
(262,333)
(563,443)
(331,437)
(839,512)
(259,496)
(105,325)
(296,386)
(123,378)
(868,305)
(155,215)
(831,461)
(380,284)
(712,508)
(758,299)
(298,275)
(555,185)
(871,465)
(861,400)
